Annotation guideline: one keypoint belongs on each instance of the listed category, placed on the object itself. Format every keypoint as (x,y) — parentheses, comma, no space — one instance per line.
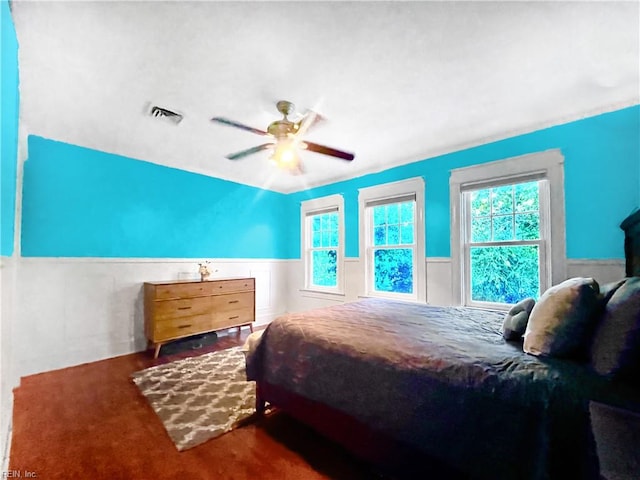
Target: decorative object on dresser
(203,270)
(180,308)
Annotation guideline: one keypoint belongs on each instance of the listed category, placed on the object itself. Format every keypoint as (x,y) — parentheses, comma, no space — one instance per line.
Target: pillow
(608,289)
(616,346)
(562,319)
(515,323)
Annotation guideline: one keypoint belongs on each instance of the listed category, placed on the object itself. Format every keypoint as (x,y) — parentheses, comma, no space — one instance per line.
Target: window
(392,239)
(507,229)
(323,239)
(504,242)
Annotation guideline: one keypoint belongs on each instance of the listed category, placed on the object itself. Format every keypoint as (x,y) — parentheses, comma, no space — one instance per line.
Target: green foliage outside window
(324,268)
(508,213)
(324,253)
(504,274)
(393,270)
(393,229)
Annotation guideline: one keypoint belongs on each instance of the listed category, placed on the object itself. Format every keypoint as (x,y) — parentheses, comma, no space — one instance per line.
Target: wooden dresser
(177,309)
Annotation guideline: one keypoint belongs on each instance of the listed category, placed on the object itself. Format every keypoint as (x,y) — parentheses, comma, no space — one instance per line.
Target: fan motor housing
(281,128)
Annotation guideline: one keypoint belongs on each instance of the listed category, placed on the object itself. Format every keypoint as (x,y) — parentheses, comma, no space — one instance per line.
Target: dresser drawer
(233,301)
(199,289)
(231,318)
(185,307)
(182,327)
(235,285)
(183,290)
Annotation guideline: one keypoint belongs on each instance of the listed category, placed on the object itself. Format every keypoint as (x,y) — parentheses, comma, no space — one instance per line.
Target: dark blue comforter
(440,379)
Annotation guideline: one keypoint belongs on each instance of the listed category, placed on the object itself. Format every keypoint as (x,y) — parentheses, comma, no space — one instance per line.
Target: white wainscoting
(603,271)
(439,278)
(438,272)
(69,311)
(439,288)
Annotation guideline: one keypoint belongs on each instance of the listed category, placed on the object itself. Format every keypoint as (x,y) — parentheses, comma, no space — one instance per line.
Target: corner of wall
(7,378)
(8,178)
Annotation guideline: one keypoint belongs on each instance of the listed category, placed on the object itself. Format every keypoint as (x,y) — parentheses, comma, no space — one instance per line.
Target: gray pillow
(562,319)
(616,346)
(608,289)
(515,322)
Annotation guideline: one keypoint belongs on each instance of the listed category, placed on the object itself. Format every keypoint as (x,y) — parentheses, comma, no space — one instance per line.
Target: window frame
(308,209)
(547,166)
(541,242)
(387,193)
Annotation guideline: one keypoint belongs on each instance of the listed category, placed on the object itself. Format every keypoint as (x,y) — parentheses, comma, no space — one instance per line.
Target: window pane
(527,195)
(393,270)
(406,211)
(380,236)
(406,233)
(324,268)
(502,228)
(481,229)
(480,205)
(393,235)
(332,221)
(393,215)
(379,215)
(315,223)
(324,221)
(316,238)
(333,238)
(505,274)
(527,226)
(326,238)
(502,198)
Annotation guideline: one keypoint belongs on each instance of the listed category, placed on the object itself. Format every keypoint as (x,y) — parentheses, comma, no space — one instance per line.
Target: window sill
(306,292)
(391,297)
(496,307)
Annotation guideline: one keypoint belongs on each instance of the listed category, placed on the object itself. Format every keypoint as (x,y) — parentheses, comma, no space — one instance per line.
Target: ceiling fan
(285,139)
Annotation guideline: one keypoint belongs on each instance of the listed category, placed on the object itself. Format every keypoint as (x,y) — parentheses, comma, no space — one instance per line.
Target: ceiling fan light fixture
(285,156)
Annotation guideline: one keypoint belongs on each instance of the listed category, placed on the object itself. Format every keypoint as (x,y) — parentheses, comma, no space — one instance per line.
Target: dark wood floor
(90,421)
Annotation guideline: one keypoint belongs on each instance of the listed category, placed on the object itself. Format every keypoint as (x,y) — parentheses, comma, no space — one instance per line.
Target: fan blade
(314,147)
(231,123)
(309,119)
(249,151)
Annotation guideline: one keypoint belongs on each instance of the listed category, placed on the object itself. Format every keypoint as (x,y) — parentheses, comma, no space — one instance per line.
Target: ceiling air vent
(163,113)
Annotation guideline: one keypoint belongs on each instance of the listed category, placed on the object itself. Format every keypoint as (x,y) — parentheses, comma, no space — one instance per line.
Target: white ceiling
(397,82)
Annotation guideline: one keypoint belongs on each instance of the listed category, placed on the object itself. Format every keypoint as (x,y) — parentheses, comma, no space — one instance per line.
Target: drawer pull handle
(235,316)
(184,308)
(184,326)
(234,301)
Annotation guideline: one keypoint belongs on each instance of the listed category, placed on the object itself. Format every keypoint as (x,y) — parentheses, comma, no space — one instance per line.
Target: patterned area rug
(199,398)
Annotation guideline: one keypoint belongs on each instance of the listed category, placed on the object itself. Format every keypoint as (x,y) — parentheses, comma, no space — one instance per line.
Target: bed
(433,392)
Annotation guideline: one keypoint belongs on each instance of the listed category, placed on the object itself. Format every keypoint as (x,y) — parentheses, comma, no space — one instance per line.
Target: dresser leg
(157,352)
(251,327)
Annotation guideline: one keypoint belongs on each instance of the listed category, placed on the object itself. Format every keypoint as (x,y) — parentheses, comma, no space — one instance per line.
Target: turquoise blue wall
(10,103)
(79,202)
(602,167)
